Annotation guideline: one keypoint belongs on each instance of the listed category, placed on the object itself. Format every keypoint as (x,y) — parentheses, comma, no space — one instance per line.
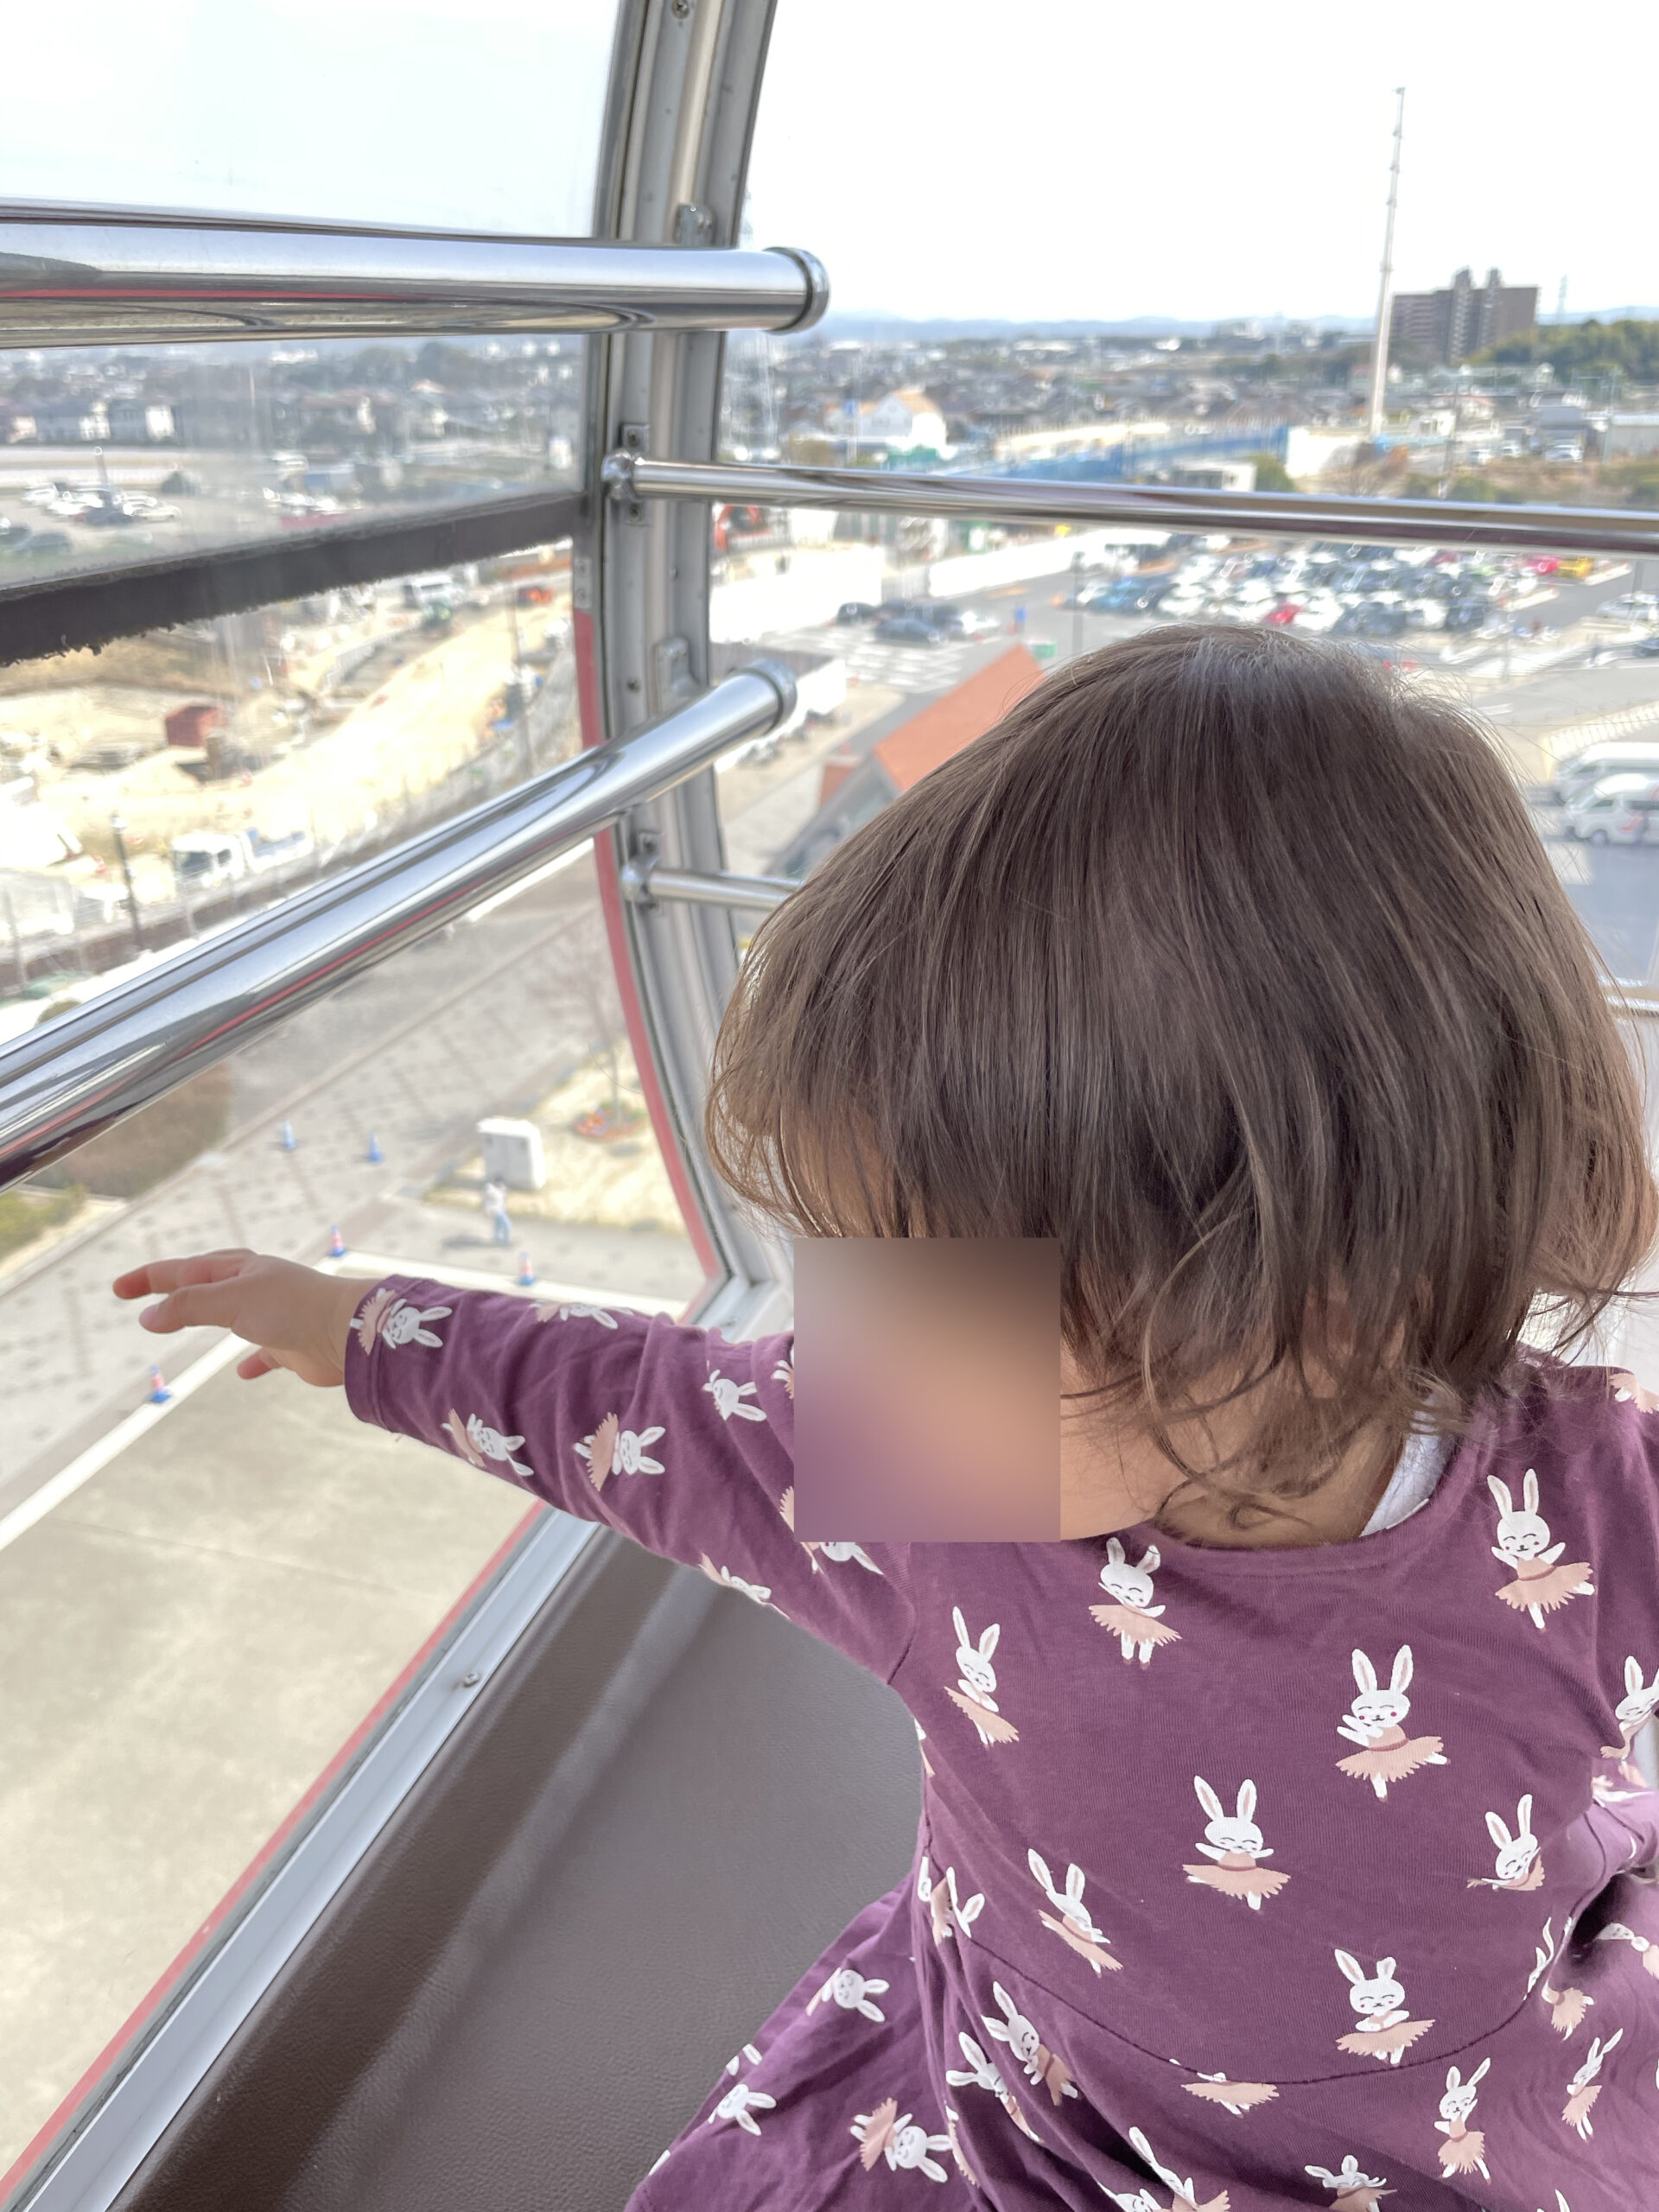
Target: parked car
(1619,810)
(909,629)
(1631,606)
(857,610)
(1134,596)
(1648,649)
(1619,756)
(1467,613)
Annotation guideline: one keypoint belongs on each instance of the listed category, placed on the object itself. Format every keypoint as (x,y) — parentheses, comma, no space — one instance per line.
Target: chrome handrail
(1015,499)
(61,1085)
(643,883)
(113,277)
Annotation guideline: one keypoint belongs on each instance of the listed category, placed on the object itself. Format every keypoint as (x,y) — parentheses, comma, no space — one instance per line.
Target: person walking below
(495,1210)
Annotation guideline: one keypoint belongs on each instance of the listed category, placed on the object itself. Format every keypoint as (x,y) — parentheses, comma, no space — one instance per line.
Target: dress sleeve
(673,1436)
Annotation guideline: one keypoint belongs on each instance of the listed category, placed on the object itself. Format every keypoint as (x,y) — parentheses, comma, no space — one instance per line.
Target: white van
(1620,810)
(1578,774)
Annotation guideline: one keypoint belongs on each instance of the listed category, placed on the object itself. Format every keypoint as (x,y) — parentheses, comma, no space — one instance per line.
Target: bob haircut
(1237,966)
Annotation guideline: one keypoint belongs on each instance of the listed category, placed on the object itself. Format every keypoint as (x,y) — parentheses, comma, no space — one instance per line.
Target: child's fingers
(157,1275)
(208,1305)
(256,1364)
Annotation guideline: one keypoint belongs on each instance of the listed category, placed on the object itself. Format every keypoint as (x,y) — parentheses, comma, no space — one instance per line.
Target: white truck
(205,859)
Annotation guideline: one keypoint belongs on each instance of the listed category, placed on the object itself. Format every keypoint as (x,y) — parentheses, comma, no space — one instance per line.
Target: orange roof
(920,745)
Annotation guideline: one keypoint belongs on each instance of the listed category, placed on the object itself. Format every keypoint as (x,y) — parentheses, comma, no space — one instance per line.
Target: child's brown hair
(1233,962)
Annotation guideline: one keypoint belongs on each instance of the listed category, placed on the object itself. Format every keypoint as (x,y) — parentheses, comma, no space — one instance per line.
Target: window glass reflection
(112,456)
(206,1586)
(159,789)
(374,113)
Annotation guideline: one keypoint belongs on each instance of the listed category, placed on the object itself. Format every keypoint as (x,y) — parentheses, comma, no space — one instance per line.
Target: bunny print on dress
(1567,2007)
(729,1396)
(613,1450)
(952,2121)
(839,1551)
(1234,1842)
(1519,1866)
(1234,2097)
(393,1322)
(976,1692)
(477,1442)
(887,2133)
(1586,2088)
(1463,2151)
(944,1914)
(1541,1585)
(1387,1754)
(1183,2195)
(740,2103)
(575,1314)
(1354,2191)
(1635,1708)
(1380,1998)
(1645,1948)
(1042,2066)
(1138,1624)
(853,1992)
(1074,1927)
(981,2072)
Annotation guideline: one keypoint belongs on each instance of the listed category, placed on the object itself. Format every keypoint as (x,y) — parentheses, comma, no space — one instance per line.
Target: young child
(1282,1842)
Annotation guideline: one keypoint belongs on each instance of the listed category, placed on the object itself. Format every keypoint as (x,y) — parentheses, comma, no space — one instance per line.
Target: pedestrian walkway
(905,668)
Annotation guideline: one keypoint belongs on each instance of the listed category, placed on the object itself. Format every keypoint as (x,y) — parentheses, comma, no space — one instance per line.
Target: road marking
(69,1480)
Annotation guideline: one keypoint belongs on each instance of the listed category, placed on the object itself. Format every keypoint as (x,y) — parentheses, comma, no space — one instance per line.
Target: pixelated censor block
(927,1389)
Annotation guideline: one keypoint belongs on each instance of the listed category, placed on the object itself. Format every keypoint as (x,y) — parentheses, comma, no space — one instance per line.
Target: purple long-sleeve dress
(1245,1880)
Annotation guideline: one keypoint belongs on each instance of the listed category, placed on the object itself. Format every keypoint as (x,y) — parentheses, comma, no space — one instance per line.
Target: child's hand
(299,1318)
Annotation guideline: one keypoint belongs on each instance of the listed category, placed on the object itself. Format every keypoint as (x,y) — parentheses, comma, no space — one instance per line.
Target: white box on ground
(512,1153)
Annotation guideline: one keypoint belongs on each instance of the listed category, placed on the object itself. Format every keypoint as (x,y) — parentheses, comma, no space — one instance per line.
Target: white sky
(1094,159)
(1027,158)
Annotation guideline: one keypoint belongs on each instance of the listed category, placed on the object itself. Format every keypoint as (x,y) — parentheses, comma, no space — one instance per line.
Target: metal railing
(643,883)
(61,1085)
(631,478)
(112,276)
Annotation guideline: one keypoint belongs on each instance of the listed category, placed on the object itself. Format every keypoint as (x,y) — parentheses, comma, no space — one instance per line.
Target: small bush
(26,1214)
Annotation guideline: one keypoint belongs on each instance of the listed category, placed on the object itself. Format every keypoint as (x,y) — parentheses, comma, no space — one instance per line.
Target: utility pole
(119,828)
(1561,301)
(1385,290)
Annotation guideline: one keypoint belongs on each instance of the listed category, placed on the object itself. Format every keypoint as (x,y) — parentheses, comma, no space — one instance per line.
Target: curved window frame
(680,115)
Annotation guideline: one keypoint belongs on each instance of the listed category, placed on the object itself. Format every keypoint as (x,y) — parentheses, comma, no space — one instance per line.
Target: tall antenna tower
(1385,290)
(1561,301)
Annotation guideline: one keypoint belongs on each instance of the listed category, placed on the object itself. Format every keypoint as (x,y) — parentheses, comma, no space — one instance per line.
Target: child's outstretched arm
(672,1435)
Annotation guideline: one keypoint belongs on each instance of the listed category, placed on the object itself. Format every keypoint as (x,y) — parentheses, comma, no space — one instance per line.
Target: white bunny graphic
(887,2133)
(982,2073)
(1354,2191)
(761,1592)
(1184,2194)
(853,1992)
(1041,2065)
(728,1394)
(784,1373)
(1463,2151)
(976,1692)
(740,2103)
(1644,1947)
(1635,1708)
(1138,1624)
(1373,1722)
(404,1324)
(944,1913)
(1381,1999)
(1519,1866)
(952,2120)
(1234,1841)
(1586,2088)
(1075,1926)
(1540,1585)
(737,2058)
(476,1442)
(613,1450)
(575,1314)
